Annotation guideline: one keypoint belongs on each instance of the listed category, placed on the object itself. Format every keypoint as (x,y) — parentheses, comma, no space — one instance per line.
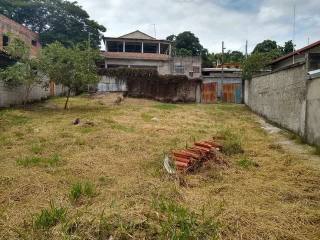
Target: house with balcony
(139,50)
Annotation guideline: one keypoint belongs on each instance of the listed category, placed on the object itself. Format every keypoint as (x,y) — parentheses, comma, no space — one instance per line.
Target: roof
(302,50)
(137,35)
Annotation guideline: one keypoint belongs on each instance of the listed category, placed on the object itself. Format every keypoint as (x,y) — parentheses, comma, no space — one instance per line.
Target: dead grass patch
(122,156)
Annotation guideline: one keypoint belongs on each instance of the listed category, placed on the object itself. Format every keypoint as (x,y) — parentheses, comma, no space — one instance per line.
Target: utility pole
(294,29)
(222,72)
(246,49)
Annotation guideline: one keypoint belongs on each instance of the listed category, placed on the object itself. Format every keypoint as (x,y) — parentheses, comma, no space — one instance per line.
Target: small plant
(36,148)
(78,190)
(146,117)
(178,222)
(232,142)
(39,161)
(247,163)
(50,217)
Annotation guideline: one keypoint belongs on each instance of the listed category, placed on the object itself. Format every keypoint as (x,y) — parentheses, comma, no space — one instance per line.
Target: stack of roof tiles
(193,157)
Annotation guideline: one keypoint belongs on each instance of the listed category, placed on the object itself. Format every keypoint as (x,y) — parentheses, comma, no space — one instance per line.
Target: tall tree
(54,20)
(288,47)
(269,47)
(73,67)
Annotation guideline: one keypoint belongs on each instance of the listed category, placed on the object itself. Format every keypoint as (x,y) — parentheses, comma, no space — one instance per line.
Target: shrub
(50,217)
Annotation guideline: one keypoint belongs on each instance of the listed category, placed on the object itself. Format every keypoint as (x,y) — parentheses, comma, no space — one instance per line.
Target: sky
(212,21)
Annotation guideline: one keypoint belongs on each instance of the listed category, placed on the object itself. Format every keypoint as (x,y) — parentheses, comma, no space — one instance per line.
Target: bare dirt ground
(104,178)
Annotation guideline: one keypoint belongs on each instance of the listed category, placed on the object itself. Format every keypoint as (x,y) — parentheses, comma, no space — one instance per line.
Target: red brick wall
(8,26)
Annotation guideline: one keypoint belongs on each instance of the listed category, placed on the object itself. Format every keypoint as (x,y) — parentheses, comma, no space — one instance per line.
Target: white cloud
(213,21)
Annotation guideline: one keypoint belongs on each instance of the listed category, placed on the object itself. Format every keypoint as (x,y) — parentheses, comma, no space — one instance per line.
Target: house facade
(289,95)
(139,50)
(10,29)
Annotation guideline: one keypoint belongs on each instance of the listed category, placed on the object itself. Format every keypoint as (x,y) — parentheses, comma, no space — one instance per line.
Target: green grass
(50,217)
(39,161)
(36,149)
(165,106)
(123,128)
(146,117)
(178,222)
(79,190)
(246,163)
(232,142)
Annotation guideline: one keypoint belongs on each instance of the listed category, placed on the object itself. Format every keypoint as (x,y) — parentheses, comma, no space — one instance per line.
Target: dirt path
(304,151)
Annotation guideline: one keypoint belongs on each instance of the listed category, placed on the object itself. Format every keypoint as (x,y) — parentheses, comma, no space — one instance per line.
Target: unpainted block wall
(313,112)
(280,97)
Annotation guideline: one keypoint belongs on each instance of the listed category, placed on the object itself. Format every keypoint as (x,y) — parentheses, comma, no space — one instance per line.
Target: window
(196,69)
(179,69)
(150,48)
(5,40)
(114,46)
(135,47)
(314,61)
(34,43)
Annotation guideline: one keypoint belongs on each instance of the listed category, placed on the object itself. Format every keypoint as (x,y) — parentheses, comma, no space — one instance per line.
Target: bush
(50,217)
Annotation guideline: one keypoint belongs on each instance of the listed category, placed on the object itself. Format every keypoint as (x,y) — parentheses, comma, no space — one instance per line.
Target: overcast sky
(213,21)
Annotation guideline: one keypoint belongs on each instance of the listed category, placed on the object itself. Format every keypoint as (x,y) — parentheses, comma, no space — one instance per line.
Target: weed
(177,222)
(165,106)
(39,161)
(127,129)
(36,149)
(50,217)
(232,142)
(78,190)
(246,163)
(146,117)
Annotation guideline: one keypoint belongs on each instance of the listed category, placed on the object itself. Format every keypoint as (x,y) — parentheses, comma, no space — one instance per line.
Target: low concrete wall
(313,112)
(280,97)
(15,96)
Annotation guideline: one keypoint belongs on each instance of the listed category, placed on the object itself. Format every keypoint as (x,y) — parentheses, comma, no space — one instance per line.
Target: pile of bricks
(193,157)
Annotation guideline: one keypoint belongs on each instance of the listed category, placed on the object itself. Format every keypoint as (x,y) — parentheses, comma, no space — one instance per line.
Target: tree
(24,72)
(254,63)
(73,67)
(54,20)
(288,47)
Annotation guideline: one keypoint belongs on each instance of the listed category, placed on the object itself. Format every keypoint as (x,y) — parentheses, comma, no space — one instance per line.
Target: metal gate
(209,92)
(232,92)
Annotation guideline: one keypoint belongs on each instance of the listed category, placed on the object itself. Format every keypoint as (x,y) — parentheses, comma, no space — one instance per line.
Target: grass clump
(79,190)
(39,161)
(36,149)
(317,150)
(178,222)
(146,117)
(232,142)
(50,217)
(247,163)
(117,126)
(165,106)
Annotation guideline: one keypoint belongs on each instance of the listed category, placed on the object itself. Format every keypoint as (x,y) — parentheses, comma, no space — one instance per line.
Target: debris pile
(193,157)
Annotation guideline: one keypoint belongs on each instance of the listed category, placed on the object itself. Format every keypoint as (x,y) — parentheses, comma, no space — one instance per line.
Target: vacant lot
(105,177)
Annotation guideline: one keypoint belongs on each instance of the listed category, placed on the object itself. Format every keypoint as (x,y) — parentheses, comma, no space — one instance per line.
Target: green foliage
(24,72)
(39,161)
(73,67)
(78,190)
(54,20)
(179,223)
(253,64)
(317,150)
(49,217)
(246,163)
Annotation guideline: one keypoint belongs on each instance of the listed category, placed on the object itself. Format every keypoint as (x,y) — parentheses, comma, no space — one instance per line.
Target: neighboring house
(10,29)
(290,94)
(139,50)
(222,84)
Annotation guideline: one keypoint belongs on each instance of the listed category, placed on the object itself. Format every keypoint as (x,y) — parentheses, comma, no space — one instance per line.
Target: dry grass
(265,194)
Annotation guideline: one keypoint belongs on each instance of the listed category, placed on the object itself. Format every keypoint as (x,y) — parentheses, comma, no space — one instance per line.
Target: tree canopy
(54,20)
